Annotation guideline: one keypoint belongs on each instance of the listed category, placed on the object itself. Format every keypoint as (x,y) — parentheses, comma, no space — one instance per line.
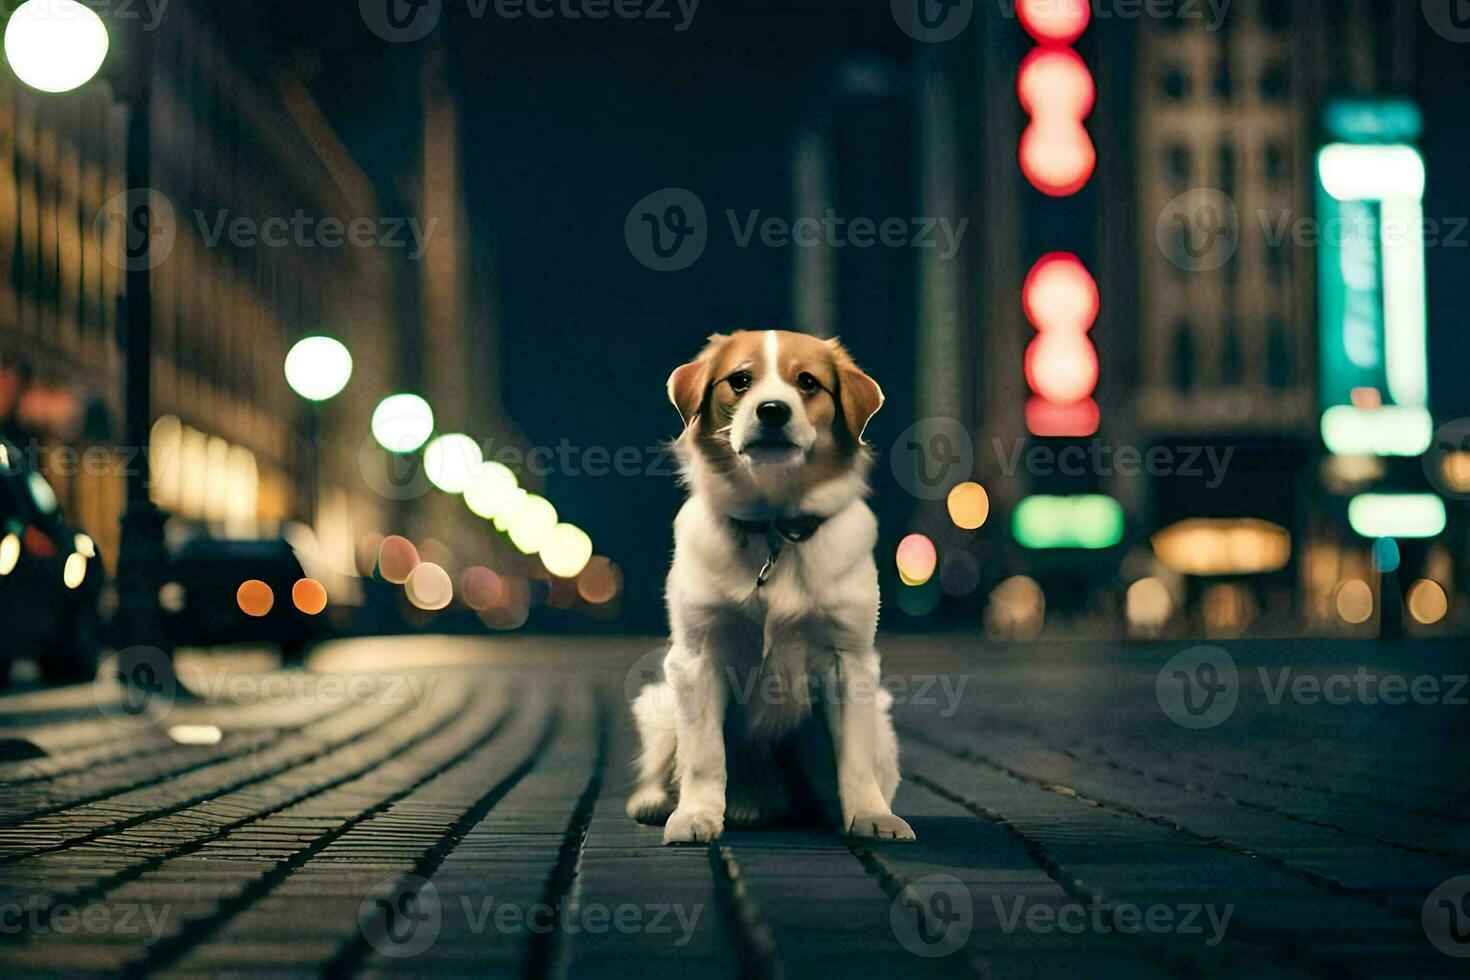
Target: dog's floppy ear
(688,383)
(859,395)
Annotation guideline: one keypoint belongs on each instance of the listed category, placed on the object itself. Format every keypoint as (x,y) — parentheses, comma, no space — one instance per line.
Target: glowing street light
(318,368)
(55,45)
(402,423)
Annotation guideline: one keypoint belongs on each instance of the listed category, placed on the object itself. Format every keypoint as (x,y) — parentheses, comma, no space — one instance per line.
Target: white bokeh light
(452,461)
(55,45)
(402,423)
(318,368)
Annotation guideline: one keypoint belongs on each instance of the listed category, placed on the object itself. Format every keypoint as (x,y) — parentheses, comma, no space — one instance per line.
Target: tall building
(252,193)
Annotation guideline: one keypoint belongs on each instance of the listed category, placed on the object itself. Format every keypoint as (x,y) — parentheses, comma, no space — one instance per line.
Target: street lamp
(402,423)
(55,45)
(317,369)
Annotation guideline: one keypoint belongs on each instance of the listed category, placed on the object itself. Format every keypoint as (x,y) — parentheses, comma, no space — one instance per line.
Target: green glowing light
(1089,521)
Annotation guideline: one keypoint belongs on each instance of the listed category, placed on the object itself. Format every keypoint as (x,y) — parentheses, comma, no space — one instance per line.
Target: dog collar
(777,533)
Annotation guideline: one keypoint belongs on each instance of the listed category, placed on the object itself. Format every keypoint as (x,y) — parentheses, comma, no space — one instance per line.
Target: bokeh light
(397,558)
(920,600)
(1060,294)
(531,523)
(9,554)
(84,545)
(600,581)
(403,423)
(513,502)
(1017,609)
(1056,81)
(452,461)
(309,596)
(482,589)
(916,559)
(1149,604)
(969,506)
(1428,602)
(318,368)
(75,571)
(1354,601)
(492,489)
(1054,21)
(1057,156)
(429,587)
(255,598)
(566,550)
(1455,468)
(1228,609)
(55,45)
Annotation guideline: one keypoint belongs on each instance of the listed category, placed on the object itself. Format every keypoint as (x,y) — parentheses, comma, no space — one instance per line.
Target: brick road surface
(462,816)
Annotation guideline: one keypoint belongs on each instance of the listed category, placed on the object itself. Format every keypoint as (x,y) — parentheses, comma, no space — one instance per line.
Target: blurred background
(340,319)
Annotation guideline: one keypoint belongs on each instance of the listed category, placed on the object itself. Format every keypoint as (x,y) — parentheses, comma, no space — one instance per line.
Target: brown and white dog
(773,594)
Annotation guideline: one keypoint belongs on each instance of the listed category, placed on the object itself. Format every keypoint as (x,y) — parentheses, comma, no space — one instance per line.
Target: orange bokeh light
(309,596)
(255,598)
(599,582)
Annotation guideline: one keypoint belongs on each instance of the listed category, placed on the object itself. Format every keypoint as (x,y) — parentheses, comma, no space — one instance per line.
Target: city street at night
(760,489)
(1067,825)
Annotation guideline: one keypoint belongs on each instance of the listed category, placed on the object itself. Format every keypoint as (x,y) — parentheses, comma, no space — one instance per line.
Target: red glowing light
(1054,21)
(1057,156)
(1062,421)
(1055,82)
(1060,294)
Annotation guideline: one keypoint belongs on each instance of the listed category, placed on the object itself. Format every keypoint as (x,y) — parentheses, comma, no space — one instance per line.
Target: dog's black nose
(773,413)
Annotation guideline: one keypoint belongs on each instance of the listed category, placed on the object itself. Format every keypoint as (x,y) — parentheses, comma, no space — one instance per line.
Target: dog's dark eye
(740,381)
(806,383)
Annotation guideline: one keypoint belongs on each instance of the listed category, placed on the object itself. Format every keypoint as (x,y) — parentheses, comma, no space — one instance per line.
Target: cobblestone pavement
(1267,810)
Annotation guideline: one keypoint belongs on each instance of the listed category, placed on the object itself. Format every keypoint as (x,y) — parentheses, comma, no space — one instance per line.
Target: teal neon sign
(1374,318)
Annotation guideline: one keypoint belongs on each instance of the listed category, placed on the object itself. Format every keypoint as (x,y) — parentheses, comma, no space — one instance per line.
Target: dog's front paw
(883,826)
(693,826)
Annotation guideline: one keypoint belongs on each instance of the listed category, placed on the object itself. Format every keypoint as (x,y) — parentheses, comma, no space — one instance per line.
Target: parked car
(51,579)
(209,609)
